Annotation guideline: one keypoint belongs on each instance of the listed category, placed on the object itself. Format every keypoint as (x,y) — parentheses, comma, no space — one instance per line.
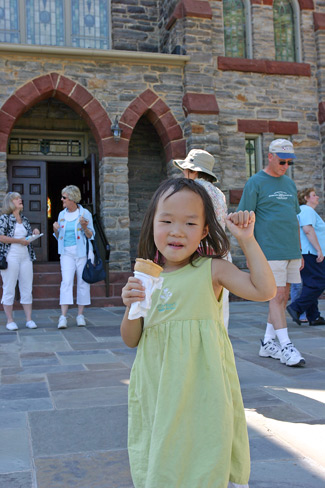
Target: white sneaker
(62,322)
(291,356)
(81,322)
(271,349)
(31,324)
(12,326)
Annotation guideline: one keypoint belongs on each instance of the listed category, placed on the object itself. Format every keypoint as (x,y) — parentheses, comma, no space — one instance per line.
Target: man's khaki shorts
(286,271)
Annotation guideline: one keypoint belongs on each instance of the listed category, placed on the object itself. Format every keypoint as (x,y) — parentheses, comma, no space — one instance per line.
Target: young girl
(187,425)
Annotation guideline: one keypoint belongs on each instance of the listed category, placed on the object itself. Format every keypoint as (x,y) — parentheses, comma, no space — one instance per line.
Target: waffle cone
(147,266)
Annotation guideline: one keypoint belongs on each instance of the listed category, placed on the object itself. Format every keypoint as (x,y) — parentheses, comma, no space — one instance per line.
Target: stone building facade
(167,79)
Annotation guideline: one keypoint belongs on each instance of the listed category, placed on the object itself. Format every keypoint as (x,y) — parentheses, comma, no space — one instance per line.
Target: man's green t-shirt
(275,203)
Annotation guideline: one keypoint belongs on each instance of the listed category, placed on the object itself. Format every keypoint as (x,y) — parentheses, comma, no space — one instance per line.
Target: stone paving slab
(18,392)
(82,334)
(26,405)
(43,369)
(87,379)
(78,357)
(14,450)
(286,474)
(21,479)
(85,470)
(92,346)
(101,366)
(113,395)
(105,331)
(78,430)
(77,433)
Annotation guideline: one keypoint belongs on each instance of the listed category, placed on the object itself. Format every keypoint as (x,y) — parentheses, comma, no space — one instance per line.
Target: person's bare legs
(64,310)
(277,308)
(81,309)
(8,311)
(28,311)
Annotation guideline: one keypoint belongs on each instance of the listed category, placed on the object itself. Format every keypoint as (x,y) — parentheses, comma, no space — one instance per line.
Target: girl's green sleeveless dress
(187,426)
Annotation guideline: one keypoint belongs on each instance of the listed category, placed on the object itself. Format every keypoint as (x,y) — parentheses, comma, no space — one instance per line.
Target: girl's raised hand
(241,224)
(133,291)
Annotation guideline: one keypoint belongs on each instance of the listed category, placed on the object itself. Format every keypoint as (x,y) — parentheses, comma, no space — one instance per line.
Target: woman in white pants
(73,228)
(14,246)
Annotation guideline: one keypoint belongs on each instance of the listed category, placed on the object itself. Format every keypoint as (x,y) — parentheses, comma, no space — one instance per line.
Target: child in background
(187,425)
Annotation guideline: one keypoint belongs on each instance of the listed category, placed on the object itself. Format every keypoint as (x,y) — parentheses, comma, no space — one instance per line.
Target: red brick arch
(159,114)
(69,92)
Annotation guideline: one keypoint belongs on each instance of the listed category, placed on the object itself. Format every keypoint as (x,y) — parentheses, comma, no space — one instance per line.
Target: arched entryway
(154,138)
(53,131)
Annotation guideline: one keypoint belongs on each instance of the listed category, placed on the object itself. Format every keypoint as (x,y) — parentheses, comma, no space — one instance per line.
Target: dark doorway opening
(59,175)
(147,168)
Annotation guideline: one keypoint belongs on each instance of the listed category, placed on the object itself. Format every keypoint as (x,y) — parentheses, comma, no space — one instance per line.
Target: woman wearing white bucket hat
(198,166)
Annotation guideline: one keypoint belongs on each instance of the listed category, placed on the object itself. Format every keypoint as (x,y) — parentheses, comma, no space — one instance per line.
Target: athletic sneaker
(12,326)
(31,324)
(271,349)
(291,356)
(62,322)
(81,321)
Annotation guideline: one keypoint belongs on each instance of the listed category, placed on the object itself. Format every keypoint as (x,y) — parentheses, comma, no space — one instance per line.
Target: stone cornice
(260,126)
(190,8)
(319,21)
(116,56)
(264,66)
(321,112)
(200,103)
(303,4)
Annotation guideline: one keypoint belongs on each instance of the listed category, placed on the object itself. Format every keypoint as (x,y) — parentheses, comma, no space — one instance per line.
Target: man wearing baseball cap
(273,197)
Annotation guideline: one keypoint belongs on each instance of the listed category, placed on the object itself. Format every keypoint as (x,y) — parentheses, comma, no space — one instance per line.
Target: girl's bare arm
(131,330)
(259,283)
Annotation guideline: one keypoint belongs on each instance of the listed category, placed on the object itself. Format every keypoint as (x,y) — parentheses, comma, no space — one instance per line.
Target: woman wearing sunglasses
(73,228)
(15,247)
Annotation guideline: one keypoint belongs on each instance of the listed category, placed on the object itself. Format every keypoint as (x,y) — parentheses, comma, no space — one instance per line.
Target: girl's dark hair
(214,245)
(304,193)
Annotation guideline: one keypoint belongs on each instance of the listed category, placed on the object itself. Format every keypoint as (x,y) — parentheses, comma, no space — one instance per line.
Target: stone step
(53,303)
(46,288)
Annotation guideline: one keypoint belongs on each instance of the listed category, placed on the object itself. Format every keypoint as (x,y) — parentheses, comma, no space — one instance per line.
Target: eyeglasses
(284,161)
(64,198)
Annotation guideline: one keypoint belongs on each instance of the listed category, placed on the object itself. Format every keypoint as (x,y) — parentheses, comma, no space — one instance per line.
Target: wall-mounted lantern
(117,131)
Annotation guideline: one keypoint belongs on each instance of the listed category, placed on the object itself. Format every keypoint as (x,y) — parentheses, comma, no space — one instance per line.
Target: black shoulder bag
(93,273)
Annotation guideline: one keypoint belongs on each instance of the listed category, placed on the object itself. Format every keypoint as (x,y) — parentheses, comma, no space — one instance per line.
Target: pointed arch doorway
(40,184)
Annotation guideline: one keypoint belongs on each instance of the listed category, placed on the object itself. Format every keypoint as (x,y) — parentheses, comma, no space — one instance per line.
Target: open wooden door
(29,179)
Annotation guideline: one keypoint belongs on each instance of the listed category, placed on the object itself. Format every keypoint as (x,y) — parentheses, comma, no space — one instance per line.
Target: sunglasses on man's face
(284,161)
(64,198)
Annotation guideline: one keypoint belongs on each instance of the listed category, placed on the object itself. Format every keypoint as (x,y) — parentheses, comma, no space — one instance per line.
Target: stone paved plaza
(63,402)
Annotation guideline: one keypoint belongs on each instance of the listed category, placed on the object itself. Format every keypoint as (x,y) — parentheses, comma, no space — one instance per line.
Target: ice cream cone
(147,266)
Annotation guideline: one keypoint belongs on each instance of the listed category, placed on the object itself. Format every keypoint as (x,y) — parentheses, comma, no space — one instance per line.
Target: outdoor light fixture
(117,131)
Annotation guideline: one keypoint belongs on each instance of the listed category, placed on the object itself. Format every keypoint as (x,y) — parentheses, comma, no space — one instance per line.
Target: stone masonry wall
(114,85)
(246,95)
(135,25)
(269,98)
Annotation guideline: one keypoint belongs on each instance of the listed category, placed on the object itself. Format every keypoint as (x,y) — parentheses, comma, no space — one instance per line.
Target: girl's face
(178,227)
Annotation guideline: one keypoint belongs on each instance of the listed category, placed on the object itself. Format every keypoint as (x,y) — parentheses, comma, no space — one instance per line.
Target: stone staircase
(46,288)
